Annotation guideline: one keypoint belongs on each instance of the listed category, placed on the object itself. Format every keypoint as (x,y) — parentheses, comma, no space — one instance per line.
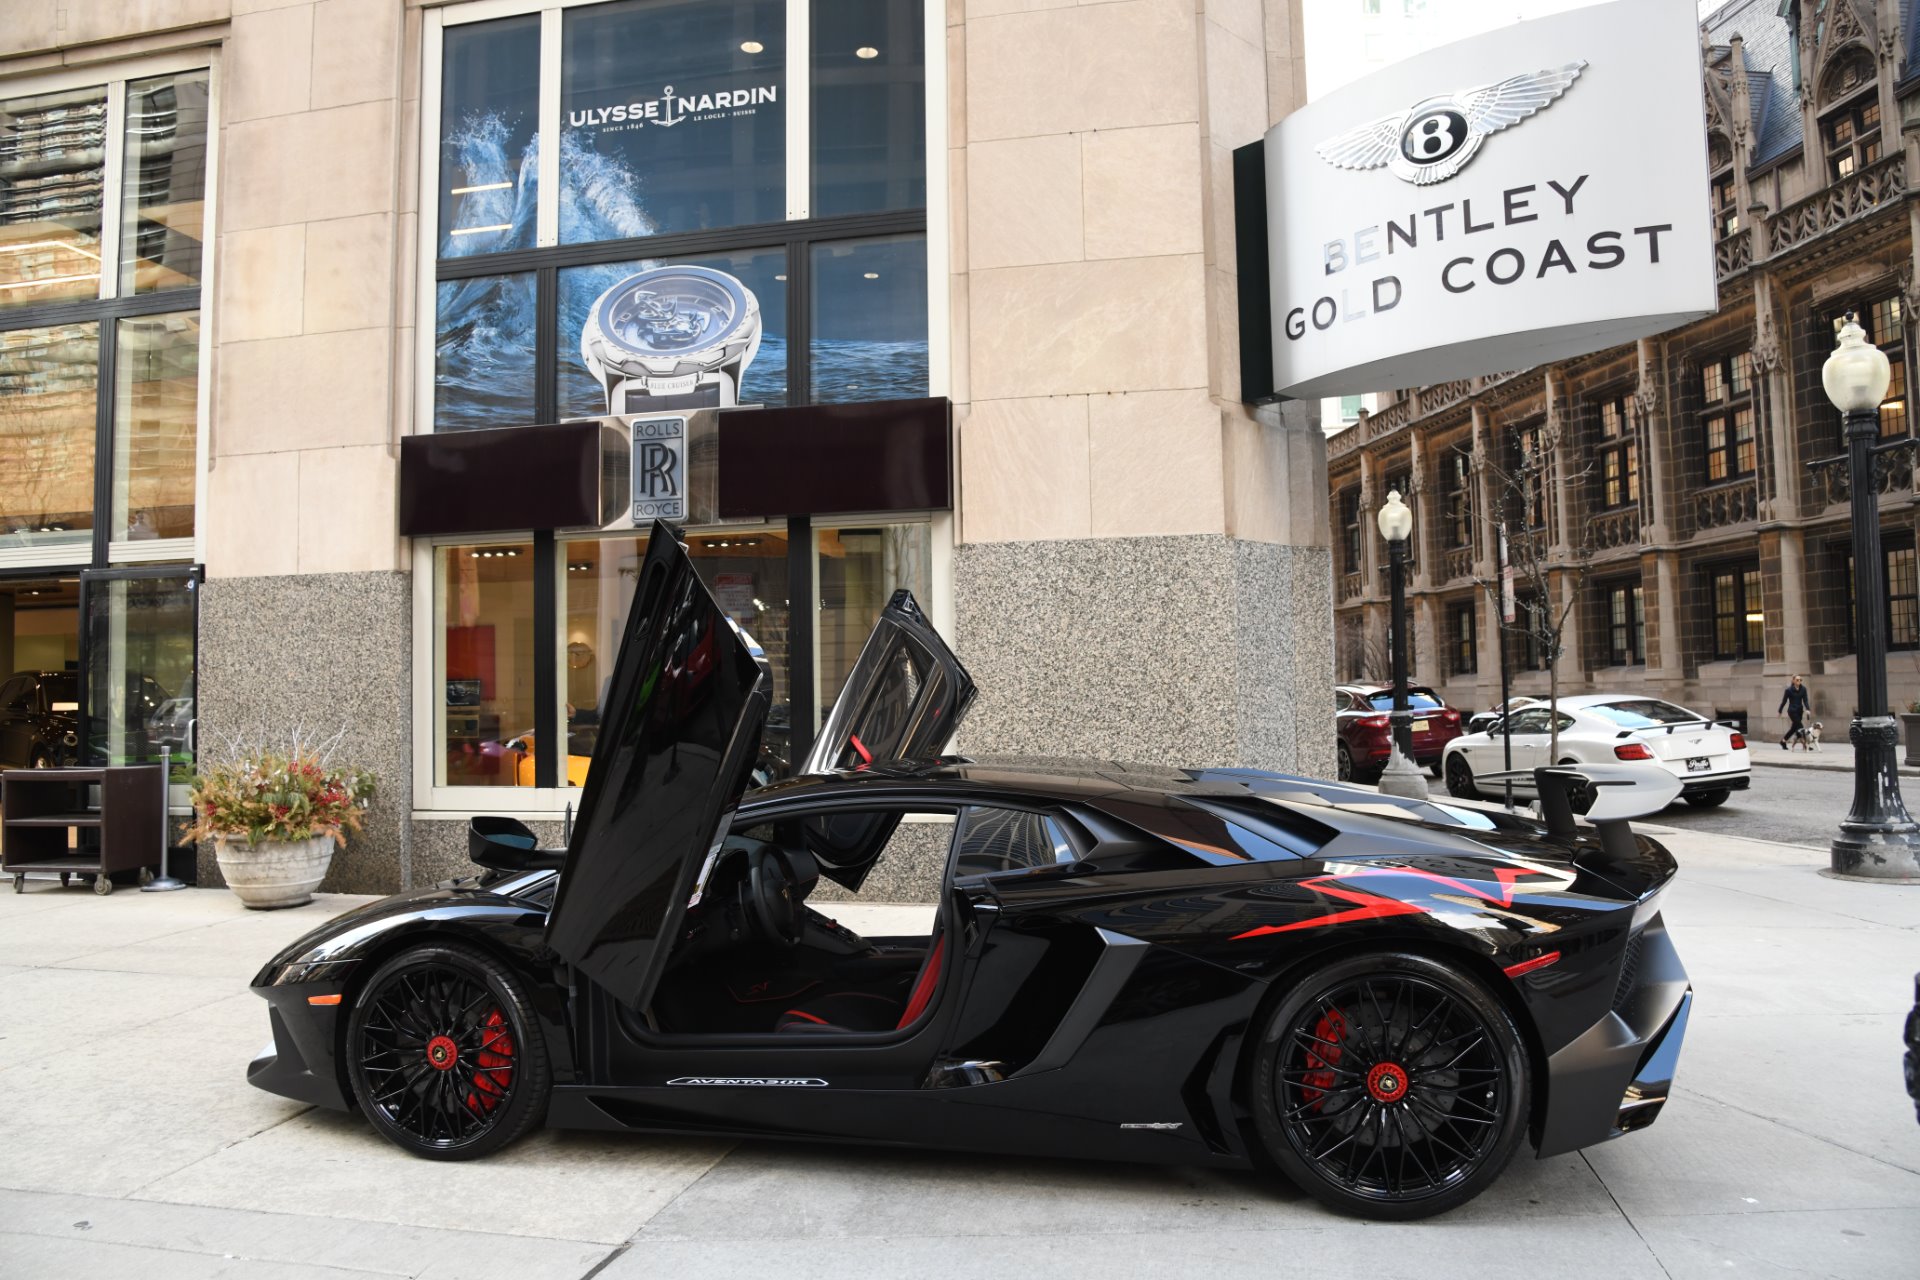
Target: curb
(1760,762)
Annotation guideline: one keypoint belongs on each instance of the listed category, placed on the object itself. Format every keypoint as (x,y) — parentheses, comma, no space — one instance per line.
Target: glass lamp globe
(1856,374)
(1396,521)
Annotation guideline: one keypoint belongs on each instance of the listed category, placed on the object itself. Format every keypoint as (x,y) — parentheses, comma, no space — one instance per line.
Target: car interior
(755,958)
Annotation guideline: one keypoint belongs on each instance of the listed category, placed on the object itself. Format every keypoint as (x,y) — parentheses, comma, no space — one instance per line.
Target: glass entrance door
(140,633)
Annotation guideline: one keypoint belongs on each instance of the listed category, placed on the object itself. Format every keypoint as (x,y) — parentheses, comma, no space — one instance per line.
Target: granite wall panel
(1191,650)
(320,653)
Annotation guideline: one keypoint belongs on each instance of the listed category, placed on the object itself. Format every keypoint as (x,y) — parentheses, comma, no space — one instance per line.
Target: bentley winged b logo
(1433,140)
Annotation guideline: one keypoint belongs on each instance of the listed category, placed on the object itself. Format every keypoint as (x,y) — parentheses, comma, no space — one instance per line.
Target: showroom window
(756,170)
(102,219)
(490,604)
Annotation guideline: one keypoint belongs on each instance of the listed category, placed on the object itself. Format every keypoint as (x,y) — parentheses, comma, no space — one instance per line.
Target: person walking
(1794,702)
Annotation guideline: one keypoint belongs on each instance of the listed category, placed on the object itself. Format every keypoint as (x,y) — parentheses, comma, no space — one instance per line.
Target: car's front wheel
(445,1053)
(1390,1086)
(1707,799)
(1460,778)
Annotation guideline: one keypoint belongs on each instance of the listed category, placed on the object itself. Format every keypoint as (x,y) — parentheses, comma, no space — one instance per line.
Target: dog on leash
(1807,739)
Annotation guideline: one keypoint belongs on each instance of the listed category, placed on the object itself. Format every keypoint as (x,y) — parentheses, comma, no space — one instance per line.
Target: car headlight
(312,971)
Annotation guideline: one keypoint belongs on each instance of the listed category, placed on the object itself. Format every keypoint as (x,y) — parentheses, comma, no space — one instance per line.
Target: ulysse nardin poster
(1530,194)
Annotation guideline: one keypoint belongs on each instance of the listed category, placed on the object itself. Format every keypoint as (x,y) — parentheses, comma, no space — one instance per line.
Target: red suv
(1362,719)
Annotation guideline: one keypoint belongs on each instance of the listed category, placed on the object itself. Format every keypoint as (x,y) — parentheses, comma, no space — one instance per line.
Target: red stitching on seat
(795,1013)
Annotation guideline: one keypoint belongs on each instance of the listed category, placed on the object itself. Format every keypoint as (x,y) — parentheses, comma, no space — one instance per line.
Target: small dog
(1807,739)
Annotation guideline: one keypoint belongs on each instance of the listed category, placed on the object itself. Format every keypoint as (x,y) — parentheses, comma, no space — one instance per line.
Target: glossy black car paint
(39,719)
(1116,991)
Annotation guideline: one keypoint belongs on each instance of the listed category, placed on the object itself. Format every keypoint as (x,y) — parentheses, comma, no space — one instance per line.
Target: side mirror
(508,844)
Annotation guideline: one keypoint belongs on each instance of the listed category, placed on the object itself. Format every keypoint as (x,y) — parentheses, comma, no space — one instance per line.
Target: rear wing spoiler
(1607,795)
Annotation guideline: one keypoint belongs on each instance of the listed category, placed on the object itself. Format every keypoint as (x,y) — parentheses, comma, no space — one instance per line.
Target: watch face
(674,312)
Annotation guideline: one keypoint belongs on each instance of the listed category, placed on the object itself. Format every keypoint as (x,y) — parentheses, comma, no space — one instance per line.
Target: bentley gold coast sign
(1534,193)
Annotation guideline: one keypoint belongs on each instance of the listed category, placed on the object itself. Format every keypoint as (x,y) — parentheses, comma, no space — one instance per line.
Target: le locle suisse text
(1568,253)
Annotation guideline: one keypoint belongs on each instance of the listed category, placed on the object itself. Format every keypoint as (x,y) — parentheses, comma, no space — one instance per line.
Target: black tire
(1436,767)
(1344,760)
(40,760)
(1459,775)
(445,1053)
(1707,799)
(1421,1097)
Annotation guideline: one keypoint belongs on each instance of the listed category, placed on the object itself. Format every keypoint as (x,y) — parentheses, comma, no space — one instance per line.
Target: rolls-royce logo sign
(1434,139)
(659,469)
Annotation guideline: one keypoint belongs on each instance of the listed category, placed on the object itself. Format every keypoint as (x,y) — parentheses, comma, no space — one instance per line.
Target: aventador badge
(1434,139)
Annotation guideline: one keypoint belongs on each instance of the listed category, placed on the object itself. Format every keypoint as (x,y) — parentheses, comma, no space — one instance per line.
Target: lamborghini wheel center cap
(1387,1082)
(442,1053)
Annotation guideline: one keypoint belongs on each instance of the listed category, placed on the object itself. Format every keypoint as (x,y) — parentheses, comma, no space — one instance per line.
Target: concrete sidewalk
(130,1143)
(1832,757)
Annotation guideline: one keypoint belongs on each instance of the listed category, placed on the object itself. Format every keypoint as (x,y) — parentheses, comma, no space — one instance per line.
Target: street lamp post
(1878,840)
(1402,777)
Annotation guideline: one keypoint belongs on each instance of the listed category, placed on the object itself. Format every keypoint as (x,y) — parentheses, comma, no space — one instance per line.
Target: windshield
(1644,713)
(1417,699)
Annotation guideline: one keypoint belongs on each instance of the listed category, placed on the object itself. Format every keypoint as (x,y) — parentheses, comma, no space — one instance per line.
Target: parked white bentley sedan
(1709,759)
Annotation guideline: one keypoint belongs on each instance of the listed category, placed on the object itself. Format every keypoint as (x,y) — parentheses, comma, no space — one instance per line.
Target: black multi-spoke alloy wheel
(1390,1086)
(446,1054)
(1346,773)
(1460,779)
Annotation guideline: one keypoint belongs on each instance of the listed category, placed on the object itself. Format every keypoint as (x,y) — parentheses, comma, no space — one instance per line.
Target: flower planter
(1910,734)
(273,873)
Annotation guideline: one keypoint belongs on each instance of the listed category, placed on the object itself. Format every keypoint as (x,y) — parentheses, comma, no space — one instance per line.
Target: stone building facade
(1133,563)
(1679,488)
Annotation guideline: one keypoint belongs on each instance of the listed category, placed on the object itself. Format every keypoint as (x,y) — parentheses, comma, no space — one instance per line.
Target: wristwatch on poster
(672,338)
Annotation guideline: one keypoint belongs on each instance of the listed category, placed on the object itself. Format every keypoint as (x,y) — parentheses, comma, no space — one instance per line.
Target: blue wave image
(486,326)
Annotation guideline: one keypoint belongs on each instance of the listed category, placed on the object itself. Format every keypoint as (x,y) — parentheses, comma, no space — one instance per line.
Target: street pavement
(130,1144)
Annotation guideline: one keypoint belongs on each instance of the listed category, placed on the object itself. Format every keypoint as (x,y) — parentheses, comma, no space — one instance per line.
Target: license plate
(1420,726)
(1698,764)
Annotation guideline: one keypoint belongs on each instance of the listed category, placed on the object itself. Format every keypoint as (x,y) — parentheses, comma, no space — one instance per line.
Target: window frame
(1852,110)
(797,234)
(1726,411)
(1621,448)
(435,800)
(114,302)
(1463,641)
(1626,635)
(1890,546)
(1864,307)
(1739,571)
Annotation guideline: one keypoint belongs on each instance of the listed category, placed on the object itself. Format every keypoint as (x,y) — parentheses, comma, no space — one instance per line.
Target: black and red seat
(869,1012)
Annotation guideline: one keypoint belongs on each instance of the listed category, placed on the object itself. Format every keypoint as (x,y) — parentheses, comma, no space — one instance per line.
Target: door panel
(140,631)
(904,700)
(678,735)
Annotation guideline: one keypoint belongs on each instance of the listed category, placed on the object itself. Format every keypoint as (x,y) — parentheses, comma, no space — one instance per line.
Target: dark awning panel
(824,459)
(552,476)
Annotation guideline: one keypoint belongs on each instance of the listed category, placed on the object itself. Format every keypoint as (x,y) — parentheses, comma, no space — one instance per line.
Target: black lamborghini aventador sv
(1381,998)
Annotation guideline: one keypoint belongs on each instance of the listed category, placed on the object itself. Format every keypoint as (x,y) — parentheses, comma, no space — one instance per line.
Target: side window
(1532,720)
(13,694)
(1562,722)
(990,841)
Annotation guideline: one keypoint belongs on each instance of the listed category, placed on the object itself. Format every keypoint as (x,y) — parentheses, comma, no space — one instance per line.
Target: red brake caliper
(495,1063)
(1331,1031)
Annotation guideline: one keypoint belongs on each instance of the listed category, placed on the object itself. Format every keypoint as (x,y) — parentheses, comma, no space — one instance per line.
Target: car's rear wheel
(1345,759)
(445,1053)
(1460,778)
(1707,799)
(1390,1086)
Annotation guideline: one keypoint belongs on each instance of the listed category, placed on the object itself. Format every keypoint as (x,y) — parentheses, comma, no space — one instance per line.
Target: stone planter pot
(274,873)
(1910,734)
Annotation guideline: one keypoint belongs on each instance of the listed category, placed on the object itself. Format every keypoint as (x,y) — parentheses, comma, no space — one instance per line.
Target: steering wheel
(778,882)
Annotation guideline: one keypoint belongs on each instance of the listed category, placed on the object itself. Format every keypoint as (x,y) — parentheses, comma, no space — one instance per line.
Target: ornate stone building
(1678,486)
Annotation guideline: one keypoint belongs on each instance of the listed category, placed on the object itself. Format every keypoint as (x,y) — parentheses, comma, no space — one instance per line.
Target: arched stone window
(1850,114)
